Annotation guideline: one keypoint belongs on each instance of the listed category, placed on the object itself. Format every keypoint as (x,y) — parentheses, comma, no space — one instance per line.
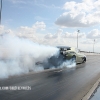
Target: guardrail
(89,53)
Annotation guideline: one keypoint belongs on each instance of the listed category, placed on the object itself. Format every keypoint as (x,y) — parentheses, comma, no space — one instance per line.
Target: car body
(65,53)
(74,55)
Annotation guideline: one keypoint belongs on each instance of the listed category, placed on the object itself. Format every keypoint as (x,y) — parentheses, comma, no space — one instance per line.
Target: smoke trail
(20,55)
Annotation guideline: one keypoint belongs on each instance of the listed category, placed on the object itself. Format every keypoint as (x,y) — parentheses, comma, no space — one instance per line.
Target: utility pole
(0,10)
(93,45)
(77,37)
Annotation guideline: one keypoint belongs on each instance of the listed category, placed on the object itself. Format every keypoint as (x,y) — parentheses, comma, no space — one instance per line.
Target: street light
(93,45)
(77,37)
(0,10)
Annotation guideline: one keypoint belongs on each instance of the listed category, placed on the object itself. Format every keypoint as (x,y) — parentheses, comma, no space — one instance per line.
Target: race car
(65,53)
(74,55)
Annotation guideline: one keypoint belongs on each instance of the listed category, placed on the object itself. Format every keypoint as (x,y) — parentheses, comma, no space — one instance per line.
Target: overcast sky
(54,22)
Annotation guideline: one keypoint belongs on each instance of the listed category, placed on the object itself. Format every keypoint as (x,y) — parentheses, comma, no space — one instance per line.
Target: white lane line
(91,91)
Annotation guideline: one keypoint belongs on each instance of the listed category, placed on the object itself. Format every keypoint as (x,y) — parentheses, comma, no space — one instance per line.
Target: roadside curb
(91,91)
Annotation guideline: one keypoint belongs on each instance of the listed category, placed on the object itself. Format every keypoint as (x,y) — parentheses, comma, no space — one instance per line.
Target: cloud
(40,18)
(40,25)
(95,33)
(72,6)
(78,20)
(62,35)
(55,39)
(74,35)
(84,14)
(63,38)
(25,31)
(30,31)
(41,3)
(54,36)
(87,41)
(18,1)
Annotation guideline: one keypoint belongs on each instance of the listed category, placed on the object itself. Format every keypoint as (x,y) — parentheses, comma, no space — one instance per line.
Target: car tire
(84,60)
(73,58)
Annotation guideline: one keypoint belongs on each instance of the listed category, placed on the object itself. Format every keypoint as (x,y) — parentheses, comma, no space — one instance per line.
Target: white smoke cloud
(68,64)
(1,29)
(19,55)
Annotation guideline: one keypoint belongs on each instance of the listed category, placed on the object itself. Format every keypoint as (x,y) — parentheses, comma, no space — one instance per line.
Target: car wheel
(84,59)
(74,58)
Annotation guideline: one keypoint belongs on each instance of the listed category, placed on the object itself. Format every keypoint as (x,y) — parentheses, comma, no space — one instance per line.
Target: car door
(79,59)
(70,54)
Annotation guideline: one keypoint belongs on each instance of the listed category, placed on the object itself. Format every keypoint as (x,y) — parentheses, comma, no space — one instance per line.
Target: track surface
(68,84)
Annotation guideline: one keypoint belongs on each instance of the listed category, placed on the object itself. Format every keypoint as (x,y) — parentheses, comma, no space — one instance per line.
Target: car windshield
(75,49)
(64,48)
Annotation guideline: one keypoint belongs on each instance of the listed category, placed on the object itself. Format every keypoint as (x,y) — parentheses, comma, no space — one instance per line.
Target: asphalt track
(66,84)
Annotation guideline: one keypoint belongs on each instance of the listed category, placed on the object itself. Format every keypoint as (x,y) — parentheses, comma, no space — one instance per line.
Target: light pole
(77,37)
(93,45)
(0,10)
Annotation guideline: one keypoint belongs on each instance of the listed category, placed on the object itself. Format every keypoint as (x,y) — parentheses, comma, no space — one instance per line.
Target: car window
(71,52)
